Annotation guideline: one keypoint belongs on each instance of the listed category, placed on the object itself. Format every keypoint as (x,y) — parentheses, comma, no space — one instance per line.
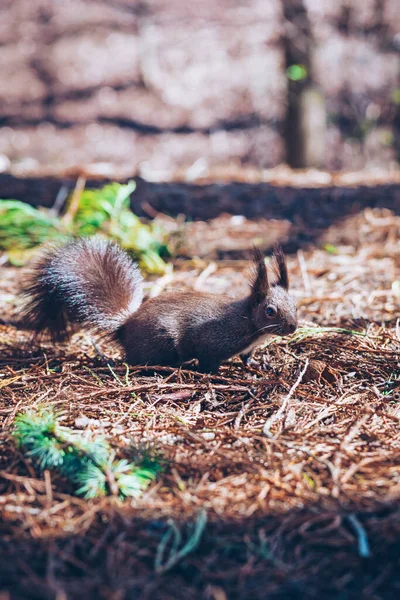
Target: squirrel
(92,283)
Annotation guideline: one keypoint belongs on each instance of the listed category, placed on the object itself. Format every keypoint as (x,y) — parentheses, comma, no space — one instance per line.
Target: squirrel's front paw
(249,361)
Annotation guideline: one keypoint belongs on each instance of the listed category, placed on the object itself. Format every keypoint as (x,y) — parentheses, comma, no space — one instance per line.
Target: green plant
(395,96)
(89,464)
(104,211)
(303,333)
(23,226)
(306,332)
(172,549)
(330,249)
(297,72)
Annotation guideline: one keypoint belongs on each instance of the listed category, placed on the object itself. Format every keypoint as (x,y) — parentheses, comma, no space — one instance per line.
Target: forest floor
(282,480)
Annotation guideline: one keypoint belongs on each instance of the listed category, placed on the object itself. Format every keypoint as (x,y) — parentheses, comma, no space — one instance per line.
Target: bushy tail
(88,283)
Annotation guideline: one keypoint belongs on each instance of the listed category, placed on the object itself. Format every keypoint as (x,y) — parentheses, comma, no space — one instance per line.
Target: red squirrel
(93,283)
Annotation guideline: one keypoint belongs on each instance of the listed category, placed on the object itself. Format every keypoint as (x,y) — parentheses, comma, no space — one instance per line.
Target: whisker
(267,327)
(274,326)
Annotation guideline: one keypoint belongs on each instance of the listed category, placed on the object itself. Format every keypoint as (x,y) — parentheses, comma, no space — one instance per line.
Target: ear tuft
(280,267)
(260,285)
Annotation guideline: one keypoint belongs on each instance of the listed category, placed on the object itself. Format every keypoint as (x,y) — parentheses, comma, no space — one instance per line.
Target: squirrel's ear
(260,285)
(280,267)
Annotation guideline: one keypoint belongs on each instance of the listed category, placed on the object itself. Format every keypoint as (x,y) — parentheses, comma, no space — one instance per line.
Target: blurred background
(151,87)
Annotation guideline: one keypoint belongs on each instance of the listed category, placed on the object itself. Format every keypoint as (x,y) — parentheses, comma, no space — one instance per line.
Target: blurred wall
(163,84)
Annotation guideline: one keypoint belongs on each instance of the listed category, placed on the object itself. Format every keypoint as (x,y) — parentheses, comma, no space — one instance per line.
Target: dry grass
(283,479)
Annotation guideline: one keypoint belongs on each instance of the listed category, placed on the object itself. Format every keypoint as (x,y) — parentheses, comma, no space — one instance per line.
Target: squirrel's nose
(290,328)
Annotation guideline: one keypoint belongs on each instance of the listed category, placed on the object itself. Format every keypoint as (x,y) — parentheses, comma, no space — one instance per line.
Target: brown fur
(92,283)
(87,282)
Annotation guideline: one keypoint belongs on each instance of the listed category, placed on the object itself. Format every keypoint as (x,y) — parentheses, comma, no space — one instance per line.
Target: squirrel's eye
(271,311)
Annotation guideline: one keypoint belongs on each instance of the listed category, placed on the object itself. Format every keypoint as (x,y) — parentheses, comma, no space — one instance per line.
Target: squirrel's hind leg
(107,361)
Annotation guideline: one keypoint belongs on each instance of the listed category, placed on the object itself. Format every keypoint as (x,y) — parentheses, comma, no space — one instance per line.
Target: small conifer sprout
(88,463)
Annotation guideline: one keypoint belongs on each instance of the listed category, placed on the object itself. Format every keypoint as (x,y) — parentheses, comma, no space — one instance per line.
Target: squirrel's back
(87,282)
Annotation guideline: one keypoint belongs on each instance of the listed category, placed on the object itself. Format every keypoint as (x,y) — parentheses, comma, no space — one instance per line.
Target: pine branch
(89,464)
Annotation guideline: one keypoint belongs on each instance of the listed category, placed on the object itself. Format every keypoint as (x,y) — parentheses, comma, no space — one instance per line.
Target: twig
(162,386)
(209,270)
(276,416)
(59,201)
(74,202)
(49,490)
(304,273)
(160,285)
(354,431)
